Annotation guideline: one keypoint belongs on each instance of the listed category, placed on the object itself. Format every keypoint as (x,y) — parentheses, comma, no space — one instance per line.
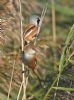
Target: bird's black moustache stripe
(38,21)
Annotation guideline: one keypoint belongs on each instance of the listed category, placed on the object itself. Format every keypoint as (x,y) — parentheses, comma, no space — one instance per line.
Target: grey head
(34,19)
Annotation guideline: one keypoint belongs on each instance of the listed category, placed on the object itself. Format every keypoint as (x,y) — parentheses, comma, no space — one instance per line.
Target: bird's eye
(38,21)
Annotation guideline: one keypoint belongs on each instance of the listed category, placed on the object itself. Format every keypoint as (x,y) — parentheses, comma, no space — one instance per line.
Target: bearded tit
(31,29)
(30,60)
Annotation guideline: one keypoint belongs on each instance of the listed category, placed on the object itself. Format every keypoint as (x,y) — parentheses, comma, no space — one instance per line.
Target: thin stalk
(0,26)
(64,89)
(45,97)
(54,30)
(20,91)
(56,89)
(53,21)
(71,55)
(22,44)
(25,86)
(11,81)
(42,15)
(41,18)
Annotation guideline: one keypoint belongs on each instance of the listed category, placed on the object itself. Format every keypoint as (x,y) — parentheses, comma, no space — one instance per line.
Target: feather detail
(30,32)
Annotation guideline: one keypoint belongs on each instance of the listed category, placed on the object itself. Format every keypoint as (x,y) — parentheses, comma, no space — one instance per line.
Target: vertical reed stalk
(22,42)
(11,81)
(53,21)
(54,31)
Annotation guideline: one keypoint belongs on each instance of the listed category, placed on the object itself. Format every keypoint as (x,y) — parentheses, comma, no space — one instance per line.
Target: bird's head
(35,20)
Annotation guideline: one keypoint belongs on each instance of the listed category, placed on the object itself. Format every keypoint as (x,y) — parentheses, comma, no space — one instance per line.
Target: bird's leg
(25,43)
(26,71)
(36,35)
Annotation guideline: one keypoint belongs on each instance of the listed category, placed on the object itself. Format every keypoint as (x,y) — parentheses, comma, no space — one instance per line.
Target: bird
(29,58)
(31,29)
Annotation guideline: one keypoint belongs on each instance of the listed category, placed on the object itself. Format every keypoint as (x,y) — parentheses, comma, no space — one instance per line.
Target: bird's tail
(40,73)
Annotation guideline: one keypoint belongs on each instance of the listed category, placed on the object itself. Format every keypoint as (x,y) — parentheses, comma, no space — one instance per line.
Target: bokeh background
(56,25)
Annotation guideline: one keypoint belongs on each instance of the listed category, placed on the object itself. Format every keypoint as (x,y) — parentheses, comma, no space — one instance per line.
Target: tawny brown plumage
(30,32)
(29,59)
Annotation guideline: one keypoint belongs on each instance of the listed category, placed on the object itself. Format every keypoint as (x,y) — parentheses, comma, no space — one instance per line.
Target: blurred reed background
(56,25)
